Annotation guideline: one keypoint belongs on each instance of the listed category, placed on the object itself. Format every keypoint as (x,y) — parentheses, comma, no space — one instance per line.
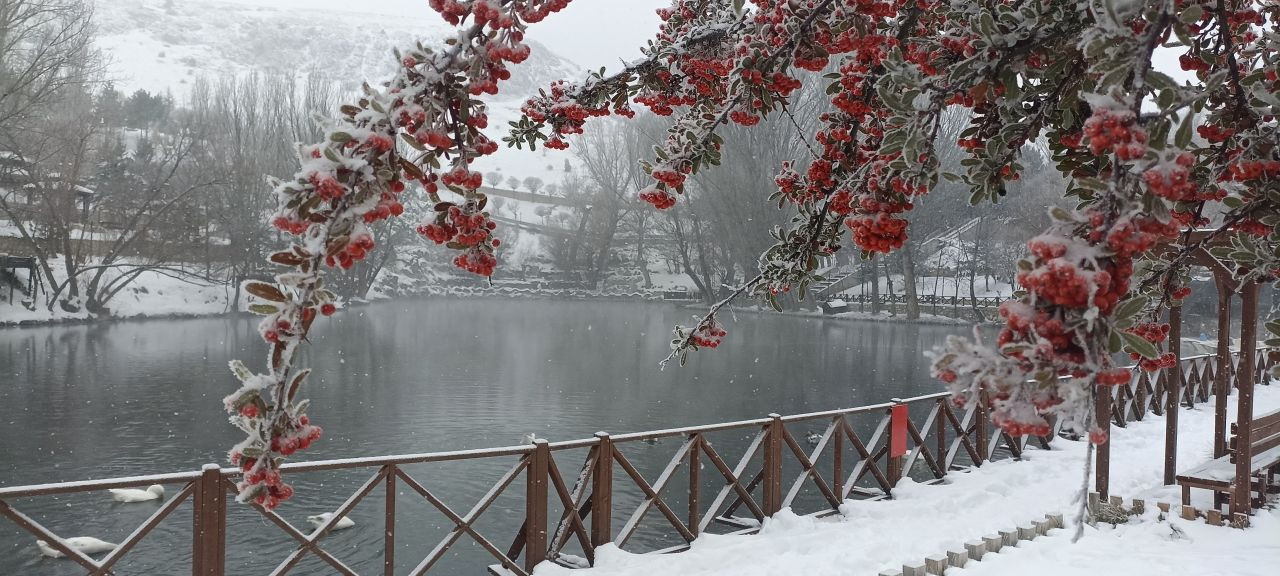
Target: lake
(142,397)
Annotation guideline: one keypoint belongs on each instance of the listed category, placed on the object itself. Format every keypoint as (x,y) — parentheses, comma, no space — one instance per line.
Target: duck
(650,441)
(813,438)
(319,519)
(85,544)
(153,492)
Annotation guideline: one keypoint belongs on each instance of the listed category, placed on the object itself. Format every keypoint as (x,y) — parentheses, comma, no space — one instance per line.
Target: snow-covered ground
(924,520)
(153,294)
(1146,545)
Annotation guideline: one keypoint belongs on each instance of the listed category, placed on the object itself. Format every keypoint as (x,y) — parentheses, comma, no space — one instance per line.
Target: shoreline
(510,293)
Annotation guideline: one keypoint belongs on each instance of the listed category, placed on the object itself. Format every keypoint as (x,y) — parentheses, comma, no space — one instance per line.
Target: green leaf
(1140,345)
(1191,14)
(263,309)
(240,370)
(1182,138)
(1129,308)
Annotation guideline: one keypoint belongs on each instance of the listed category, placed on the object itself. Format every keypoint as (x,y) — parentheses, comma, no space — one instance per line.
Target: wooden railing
(1146,391)
(574,503)
(925,300)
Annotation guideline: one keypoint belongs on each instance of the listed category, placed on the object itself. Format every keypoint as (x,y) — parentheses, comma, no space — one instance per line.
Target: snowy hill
(163,46)
(158,48)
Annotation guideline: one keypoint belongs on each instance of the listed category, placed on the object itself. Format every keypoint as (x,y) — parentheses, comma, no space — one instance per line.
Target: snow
(924,520)
(1146,545)
(153,294)
(165,50)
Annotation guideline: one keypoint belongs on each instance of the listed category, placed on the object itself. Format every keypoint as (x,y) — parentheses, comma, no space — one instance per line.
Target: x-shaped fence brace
(96,567)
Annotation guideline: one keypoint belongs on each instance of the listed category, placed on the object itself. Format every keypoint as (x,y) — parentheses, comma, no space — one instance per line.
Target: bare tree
(45,51)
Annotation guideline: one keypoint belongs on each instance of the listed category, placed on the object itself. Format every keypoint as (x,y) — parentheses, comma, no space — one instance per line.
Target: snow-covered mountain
(163,45)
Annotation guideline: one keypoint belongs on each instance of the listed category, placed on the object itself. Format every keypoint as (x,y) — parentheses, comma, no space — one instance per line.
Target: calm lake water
(140,397)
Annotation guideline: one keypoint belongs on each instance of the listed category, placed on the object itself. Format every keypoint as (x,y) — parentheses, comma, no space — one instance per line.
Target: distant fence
(925,300)
(572,490)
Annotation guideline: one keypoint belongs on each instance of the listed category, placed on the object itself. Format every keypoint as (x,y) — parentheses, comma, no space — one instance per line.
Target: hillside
(162,46)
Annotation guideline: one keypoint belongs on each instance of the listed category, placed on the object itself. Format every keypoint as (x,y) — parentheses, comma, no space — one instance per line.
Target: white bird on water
(153,492)
(319,519)
(85,544)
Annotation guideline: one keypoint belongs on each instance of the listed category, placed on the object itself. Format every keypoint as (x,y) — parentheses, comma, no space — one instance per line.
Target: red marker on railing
(898,430)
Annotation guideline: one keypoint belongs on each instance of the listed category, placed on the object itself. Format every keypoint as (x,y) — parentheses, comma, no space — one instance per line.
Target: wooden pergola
(1244,375)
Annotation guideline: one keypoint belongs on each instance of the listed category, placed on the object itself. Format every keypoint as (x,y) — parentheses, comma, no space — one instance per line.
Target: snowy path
(926,520)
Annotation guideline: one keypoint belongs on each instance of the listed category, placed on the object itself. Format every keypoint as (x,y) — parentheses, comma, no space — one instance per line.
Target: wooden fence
(808,462)
(928,302)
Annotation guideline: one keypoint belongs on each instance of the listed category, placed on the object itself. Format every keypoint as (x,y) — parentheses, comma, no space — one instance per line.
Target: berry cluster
(707,335)
(659,198)
(879,232)
(1150,331)
(345,252)
(1172,180)
(1114,377)
(466,228)
(1164,361)
(477,260)
(1115,130)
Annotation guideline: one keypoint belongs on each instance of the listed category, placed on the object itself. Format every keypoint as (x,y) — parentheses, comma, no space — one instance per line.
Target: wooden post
(695,487)
(1244,403)
(984,433)
(837,459)
(602,492)
(941,422)
(209,523)
(1102,457)
(535,505)
(772,481)
(389,527)
(1172,392)
(1222,380)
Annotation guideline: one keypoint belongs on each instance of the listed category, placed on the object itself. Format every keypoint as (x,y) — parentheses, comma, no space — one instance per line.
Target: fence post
(1102,454)
(773,465)
(837,460)
(1172,393)
(602,492)
(389,524)
(209,523)
(941,423)
(695,486)
(535,505)
(984,433)
(897,440)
